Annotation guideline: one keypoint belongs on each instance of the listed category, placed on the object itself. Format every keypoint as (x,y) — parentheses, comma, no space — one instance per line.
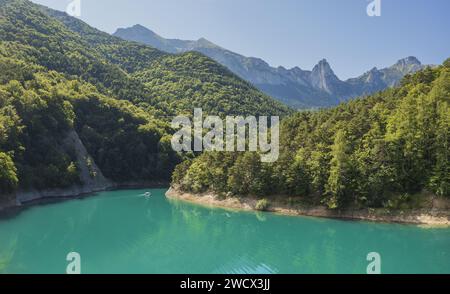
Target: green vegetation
(8,173)
(59,76)
(160,83)
(363,153)
(182,82)
(262,205)
(38,114)
(33,120)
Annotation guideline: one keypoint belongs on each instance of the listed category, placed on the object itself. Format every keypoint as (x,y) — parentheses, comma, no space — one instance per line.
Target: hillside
(298,88)
(61,80)
(374,152)
(120,68)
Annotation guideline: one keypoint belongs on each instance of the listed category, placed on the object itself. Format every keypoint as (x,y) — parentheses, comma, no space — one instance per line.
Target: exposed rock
(90,175)
(295,87)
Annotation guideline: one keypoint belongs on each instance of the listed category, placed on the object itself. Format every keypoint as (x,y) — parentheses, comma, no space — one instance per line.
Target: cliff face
(91,178)
(316,88)
(90,174)
(59,74)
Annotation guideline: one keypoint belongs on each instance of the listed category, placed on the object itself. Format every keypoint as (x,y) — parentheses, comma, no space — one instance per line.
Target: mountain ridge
(63,79)
(316,88)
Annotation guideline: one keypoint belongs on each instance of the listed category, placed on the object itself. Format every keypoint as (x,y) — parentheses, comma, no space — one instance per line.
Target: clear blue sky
(290,32)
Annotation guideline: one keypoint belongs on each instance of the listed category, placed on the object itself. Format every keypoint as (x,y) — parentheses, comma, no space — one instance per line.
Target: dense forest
(161,83)
(374,151)
(37,113)
(58,75)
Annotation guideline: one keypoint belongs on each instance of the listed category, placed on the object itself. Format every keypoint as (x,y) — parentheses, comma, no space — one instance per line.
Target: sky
(290,32)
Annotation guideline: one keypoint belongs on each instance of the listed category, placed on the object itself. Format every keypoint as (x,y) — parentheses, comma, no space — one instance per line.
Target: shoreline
(424,217)
(24,199)
(427,218)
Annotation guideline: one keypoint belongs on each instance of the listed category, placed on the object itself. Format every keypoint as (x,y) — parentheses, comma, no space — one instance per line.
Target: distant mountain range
(301,89)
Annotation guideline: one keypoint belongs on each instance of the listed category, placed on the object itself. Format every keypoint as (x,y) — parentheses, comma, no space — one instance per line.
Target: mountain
(384,151)
(80,107)
(167,83)
(143,35)
(298,88)
(377,80)
(82,110)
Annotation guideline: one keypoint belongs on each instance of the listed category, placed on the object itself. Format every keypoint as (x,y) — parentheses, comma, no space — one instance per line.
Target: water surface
(124,232)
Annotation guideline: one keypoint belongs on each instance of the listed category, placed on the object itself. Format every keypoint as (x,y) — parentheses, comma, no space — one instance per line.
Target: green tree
(8,174)
(340,181)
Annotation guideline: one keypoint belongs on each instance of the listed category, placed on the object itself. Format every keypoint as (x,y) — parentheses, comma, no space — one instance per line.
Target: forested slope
(375,151)
(146,76)
(58,75)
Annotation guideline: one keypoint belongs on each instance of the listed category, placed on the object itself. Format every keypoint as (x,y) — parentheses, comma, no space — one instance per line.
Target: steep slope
(377,80)
(295,87)
(43,117)
(65,44)
(62,80)
(190,70)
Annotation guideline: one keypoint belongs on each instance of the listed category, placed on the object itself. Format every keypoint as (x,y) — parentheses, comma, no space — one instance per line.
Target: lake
(124,232)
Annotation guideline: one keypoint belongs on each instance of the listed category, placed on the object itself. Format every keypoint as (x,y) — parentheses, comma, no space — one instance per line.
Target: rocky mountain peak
(323,77)
(407,65)
(410,60)
(319,87)
(323,66)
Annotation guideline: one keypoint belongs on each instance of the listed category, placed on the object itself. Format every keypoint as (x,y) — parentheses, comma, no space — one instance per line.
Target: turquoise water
(123,232)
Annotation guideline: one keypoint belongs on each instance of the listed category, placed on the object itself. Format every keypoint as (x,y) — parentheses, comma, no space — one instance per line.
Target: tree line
(374,151)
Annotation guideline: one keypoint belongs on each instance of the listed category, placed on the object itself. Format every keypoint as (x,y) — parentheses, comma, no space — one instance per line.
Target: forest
(58,75)
(375,151)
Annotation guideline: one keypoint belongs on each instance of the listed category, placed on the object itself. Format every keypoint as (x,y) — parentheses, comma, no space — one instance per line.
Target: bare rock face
(316,88)
(91,176)
(323,78)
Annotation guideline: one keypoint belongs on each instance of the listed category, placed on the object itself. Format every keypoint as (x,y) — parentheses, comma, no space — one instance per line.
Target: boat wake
(146,195)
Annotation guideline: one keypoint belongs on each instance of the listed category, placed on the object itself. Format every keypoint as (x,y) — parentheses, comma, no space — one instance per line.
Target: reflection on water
(123,232)
(7,254)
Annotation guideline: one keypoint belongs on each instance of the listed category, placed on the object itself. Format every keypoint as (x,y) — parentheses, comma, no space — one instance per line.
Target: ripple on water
(121,232)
